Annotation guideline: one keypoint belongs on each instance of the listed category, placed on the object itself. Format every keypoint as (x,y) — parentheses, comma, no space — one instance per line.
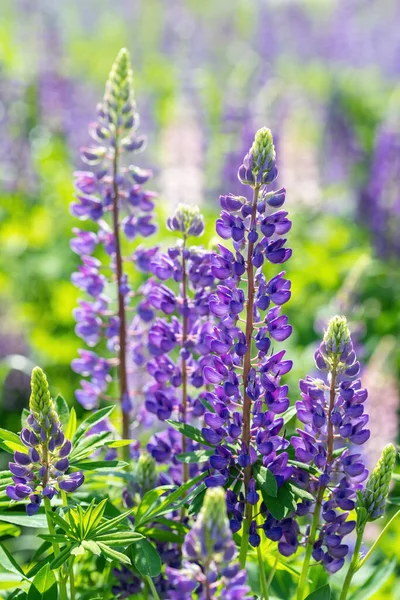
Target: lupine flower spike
(246,371)
(113,197)
(332,412)
(209,557)
(377,489)
(41,471)
(371,505)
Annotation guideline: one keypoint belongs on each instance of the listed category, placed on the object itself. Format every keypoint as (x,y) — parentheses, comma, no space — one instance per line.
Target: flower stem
(123,380)
(317,510)
(61,582)
(71,562)
(353,565)
(153,590)
(246,434)
(263,579)
(184,370)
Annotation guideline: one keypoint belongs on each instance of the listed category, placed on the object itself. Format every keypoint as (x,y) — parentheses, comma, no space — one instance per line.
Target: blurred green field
(324,76)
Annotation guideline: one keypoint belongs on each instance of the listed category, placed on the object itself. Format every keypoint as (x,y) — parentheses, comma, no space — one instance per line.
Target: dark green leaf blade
(44,585)
(146,559)
(322,593)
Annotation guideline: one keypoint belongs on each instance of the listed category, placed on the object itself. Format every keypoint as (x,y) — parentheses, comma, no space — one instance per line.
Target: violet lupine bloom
(41,472)
(334,422)
(112,196)
(248,398)
(176,387)
(209,557)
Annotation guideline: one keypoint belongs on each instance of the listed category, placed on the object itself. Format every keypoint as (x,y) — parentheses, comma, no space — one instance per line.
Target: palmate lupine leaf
(90,422)
(44,585)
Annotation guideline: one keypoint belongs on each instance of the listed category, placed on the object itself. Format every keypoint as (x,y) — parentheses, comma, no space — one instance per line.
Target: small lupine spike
(145,473)
(188,220)
(377,488)
(40,402)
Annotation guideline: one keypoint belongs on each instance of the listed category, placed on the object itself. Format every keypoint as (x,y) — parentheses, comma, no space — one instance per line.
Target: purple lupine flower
(209,557)
(248,397)
(41,471)
(332,412)
(183,324)
(112,196)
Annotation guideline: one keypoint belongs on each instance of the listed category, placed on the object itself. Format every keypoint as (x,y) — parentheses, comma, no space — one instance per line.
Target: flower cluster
(113,197)
(41,472)
(209,554)
(248,398)
(334,420)
(180,330)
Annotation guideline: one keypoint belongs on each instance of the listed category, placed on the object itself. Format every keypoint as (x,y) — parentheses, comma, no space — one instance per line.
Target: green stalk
(263,579)
(246,434)
(61,582)
(71,562)
(354,565)
(320,497)
(309,548)
(153,590)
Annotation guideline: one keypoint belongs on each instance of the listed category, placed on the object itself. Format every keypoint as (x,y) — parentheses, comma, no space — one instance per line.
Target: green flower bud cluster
(40,403)
(263,151)
(337,335)
(377,488)
(145,473)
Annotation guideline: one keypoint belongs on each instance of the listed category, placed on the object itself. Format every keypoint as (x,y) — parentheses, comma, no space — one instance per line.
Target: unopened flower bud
(188,220)
(377,488)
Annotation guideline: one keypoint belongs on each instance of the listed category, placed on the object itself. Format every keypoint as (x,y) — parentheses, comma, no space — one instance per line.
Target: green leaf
(94,515)
(17,595)
(300,493)
(9,563)
(119,443)
(62,409)
(11,442)
(289,414)
(9,529)
(286,497)
(92,547)
(120,538)
(267,482)
(37,521)
(111,523)
(322,593)
(189,431)
(275,507)
(58,538)
(375,581)
(92,420)
(178,497)
(150,500)
(87,445)
(71,427)
(44,585)
(146,559)
(207,405)
(163,535)
(61,558)
(114,554)
(198,456)
(96,465)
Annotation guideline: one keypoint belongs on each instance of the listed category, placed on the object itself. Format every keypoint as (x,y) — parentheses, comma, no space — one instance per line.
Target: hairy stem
(246,434)
(123,380)
(353,565)
(62,586)
(317,509)
(263,579)
(71,562)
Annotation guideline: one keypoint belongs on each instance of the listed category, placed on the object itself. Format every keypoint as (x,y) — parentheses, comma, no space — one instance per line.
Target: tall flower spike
(248,398)
(377,487)
(113,197)
(183,323)
(42,471)
(332,412)
(209,557)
